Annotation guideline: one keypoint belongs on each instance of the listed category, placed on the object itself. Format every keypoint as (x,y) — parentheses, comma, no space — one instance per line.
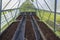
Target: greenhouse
(29,19)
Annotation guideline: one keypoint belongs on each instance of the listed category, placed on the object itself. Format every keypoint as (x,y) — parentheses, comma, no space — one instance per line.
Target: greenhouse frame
(29,19)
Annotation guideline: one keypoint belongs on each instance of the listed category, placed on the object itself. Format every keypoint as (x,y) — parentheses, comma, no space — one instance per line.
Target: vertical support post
(55,15)
(0,14)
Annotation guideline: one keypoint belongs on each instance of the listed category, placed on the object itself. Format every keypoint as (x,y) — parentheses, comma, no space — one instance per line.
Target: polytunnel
(29,19)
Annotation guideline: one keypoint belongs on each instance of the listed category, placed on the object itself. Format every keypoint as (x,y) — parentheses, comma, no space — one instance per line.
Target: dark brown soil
(36,17)
(29,33)
(19,17)
(9,32)
(48,33)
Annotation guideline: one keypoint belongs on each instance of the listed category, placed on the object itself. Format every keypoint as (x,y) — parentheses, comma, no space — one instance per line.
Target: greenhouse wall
(10,11)
(46,13)
(45,10)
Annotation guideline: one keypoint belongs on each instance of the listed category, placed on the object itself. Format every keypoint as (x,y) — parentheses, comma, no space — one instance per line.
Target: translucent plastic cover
(11,4)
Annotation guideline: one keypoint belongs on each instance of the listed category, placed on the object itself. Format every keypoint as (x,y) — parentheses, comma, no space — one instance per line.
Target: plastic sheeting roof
(49,2)
(11,4)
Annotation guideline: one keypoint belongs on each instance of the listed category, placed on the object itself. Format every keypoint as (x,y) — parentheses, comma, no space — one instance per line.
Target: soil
(9,32)
(29,33)
(48,33)
(19,17)
(36,18)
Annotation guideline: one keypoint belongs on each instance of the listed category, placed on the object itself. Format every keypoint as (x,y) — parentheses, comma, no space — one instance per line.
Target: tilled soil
(36,17)
(19,17)
(48,33)
(9,32)
(29,33)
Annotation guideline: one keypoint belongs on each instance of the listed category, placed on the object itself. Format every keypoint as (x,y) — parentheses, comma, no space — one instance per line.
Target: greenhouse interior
(29,19)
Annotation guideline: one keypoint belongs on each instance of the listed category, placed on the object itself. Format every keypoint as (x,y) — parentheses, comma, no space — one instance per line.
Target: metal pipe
(47,5)
(9,9)
(16,10)
(14,4)
(38,34)
(55,9)
(40,4)
(49,9)
(6,19)
(19,33)
(17,7)
(0,14)
(42,8)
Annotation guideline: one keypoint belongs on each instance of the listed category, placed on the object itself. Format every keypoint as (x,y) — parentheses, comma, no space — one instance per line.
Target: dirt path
(9,32)
(29,33)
